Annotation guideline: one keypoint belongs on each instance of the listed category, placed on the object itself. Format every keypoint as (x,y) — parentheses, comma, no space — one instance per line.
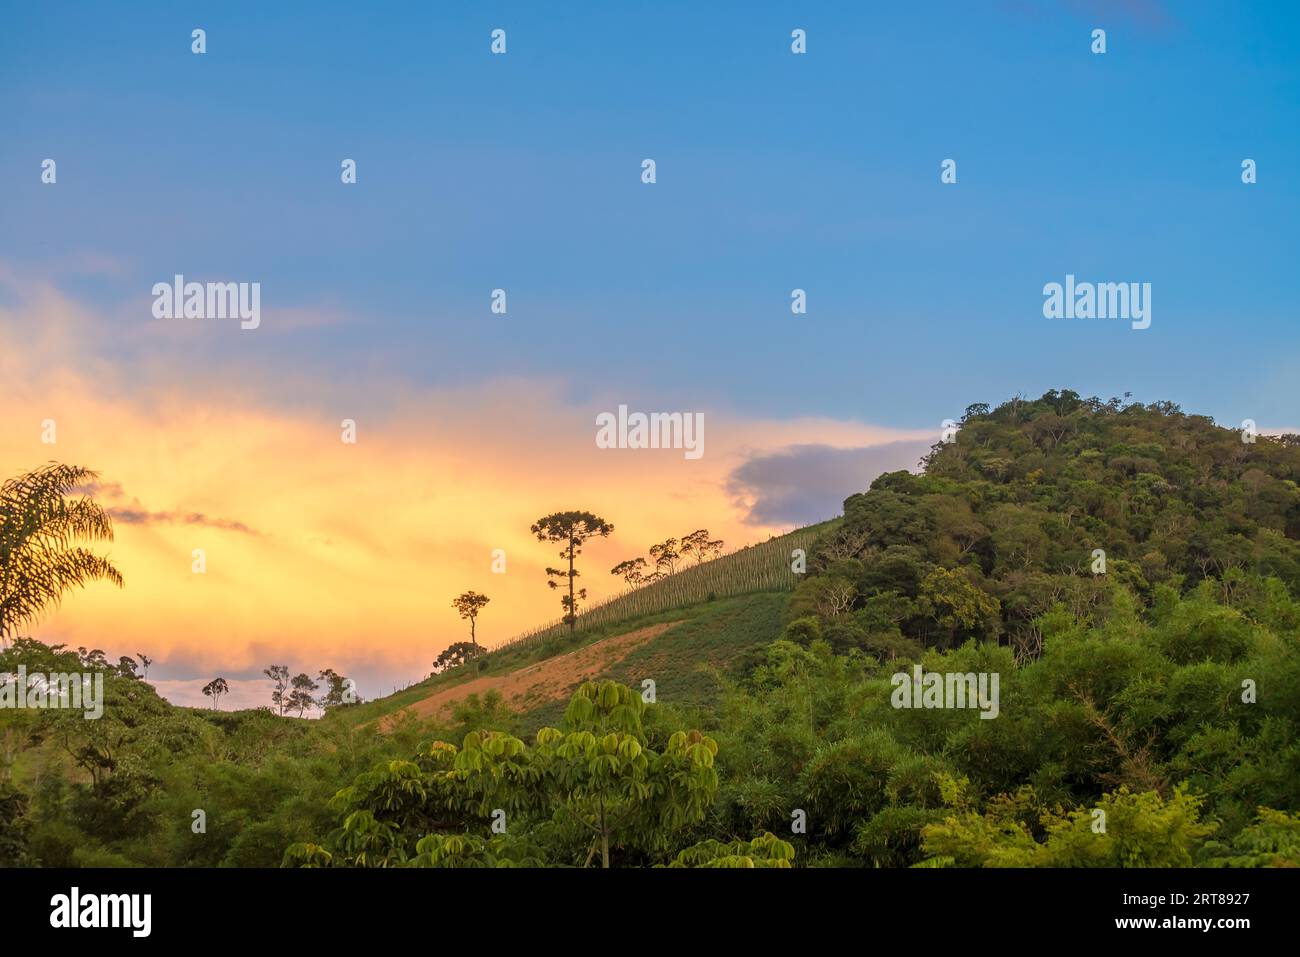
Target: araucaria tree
(39,531)
(573,529)
(469,604)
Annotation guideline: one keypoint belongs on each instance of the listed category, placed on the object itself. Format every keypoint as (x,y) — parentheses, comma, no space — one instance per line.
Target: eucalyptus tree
(214,689)
(631,571)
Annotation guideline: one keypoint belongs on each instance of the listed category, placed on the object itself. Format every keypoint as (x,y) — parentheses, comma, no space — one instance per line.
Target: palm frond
(39,529)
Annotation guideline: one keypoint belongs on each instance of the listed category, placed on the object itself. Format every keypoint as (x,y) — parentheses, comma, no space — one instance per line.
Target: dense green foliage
(122,790)
(1005,524)
(1109,710)
(565,799)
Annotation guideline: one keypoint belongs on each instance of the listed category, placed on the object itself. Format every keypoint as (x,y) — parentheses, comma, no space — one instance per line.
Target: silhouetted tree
(338,690)
(699,544)
(39,529)
(573,529)
(302,696)
(453,655)
(631,571)
(280,693)
(665,556)
(214,689)
(469,604)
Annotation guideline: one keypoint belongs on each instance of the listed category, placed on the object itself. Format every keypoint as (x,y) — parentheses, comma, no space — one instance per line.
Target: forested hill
(1043,502)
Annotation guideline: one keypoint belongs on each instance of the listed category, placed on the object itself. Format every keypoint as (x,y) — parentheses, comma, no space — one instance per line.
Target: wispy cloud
(133,516)
(109,493)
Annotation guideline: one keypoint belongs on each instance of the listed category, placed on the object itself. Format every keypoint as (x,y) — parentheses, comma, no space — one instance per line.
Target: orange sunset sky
(322,554)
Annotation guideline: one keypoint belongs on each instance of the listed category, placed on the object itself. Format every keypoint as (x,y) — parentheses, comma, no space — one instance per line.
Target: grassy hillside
(691,594)
(684,660)
(755,568)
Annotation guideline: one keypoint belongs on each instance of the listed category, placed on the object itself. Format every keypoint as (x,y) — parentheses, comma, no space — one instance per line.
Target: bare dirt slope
(549,680)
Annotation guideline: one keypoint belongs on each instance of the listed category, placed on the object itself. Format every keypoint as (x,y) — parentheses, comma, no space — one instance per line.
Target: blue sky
(775,171)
